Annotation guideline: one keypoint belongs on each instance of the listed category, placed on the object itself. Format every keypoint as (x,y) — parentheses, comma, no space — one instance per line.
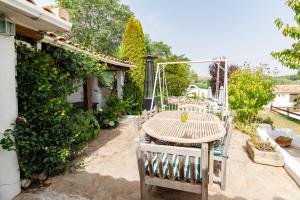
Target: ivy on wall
(50,131)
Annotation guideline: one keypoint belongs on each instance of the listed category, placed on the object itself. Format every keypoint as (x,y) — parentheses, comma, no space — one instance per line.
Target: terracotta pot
(283,142)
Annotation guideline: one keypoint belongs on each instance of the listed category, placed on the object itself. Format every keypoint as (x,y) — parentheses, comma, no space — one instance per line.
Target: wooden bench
(145,153)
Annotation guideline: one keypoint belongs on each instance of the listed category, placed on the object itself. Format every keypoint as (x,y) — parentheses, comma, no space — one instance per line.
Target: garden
(50,132)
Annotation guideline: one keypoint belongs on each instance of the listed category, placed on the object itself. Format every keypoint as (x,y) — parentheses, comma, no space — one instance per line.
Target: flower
(20,118)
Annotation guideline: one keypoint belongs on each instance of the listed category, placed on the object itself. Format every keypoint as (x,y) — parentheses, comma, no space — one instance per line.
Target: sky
(242,31)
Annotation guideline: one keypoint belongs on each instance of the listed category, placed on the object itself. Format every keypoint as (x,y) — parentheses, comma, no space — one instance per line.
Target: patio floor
(111,172)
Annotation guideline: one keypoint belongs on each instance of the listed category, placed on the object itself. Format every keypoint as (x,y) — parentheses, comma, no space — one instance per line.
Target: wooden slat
(192,170)
(171,149)
(160,166)
(183,186)
(170,167)
(149,158)
(181,168)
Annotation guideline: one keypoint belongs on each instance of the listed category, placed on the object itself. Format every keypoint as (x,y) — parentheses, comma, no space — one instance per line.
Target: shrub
(107,118)
(118,105)
(268,120)
(248,128)
(85,127)
(249,91)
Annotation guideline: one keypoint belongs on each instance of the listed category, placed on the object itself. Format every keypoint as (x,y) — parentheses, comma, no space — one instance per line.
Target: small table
(199,128)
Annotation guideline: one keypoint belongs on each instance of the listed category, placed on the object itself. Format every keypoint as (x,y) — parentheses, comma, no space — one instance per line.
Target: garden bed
(273,158)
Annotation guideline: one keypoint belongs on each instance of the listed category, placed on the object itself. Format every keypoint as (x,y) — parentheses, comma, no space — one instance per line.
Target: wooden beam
(24,31)
(88,94)
(111,67)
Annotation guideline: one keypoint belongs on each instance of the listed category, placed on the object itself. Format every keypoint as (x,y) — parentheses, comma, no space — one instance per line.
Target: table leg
(204,170)
(211,163)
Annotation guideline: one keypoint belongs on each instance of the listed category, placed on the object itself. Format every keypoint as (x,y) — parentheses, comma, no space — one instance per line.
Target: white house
(285,95)
(194,90)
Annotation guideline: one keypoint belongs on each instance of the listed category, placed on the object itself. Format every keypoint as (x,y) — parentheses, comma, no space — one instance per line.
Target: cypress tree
(135,50)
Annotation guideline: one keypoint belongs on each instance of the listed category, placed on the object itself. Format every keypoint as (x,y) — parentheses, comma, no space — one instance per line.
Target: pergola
(162,65)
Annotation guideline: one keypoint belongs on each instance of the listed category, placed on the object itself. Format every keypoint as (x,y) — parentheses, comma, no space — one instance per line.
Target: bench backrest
(148,150)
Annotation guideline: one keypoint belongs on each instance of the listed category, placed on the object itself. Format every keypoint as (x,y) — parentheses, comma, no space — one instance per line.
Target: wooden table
(199,128)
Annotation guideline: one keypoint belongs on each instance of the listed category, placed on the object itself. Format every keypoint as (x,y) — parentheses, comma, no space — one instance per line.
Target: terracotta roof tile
(91,51)
(291,89)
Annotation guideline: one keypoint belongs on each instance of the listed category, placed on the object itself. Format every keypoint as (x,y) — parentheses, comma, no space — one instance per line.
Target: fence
(290,112)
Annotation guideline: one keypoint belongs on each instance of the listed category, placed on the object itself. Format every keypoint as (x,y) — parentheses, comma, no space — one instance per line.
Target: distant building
(285,95)
(194,90)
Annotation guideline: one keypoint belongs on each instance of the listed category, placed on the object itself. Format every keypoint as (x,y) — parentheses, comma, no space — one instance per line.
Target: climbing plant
(49,131)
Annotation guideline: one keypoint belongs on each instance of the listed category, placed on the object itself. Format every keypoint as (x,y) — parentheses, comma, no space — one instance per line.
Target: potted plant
(284,141)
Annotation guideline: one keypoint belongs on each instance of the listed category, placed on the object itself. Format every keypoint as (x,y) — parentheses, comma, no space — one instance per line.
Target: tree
(157,48)
(248,92)
(134,47)
(177,75)
(290,57)
(213,71)
(97,24)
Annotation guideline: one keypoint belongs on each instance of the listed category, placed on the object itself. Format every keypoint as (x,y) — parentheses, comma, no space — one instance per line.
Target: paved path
(111,174)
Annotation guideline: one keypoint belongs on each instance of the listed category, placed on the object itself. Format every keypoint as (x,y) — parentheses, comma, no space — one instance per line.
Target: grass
(281,121)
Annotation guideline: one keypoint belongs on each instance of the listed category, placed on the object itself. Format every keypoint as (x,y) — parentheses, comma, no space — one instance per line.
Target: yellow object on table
(184,116)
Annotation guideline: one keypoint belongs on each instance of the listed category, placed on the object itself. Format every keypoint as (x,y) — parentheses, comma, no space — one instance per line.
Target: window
(293,97)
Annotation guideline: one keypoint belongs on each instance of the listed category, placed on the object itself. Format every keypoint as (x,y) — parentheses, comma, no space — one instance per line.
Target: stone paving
(110,173)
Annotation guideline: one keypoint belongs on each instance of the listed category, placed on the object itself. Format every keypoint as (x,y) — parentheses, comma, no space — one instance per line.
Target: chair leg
(211,163)
(223,173)
(204,170)
(140,162)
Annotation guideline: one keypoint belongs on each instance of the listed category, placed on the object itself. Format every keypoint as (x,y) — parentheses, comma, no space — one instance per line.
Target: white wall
(9,170)
(98,97)
(282,100)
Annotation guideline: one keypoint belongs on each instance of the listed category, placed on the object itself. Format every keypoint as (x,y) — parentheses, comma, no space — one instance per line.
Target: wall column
(120,83)
(9,169)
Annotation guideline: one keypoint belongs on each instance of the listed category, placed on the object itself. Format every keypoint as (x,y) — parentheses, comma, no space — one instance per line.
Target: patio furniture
(192,108)
(181,168)
(221,156)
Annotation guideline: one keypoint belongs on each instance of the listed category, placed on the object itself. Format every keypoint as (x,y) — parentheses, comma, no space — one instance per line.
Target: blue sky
(240,30)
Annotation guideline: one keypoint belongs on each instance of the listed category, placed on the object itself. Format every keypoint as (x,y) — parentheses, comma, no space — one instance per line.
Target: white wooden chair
(220,157)
(180,180)
(192,108)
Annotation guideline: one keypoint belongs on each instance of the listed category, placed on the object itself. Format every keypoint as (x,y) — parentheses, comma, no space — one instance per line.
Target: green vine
(50,131)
